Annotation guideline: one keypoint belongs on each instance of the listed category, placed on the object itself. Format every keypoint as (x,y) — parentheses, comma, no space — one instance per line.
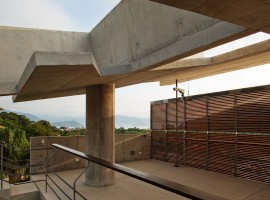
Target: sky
(82,16)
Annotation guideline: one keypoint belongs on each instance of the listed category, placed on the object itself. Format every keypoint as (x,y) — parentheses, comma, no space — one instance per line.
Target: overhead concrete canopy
(135,38)
(252,14)
(190,69)
(52,74)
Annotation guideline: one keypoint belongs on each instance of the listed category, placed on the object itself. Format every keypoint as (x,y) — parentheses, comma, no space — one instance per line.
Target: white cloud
(44,14)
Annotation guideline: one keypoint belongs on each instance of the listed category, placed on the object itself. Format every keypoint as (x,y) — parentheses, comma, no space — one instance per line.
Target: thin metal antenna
(188,86)
(176,121)
(176,100)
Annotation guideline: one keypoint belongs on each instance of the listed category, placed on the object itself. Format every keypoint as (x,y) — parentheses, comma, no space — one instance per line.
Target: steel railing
(50,182)
(10,167)
(173,187)
(49,169)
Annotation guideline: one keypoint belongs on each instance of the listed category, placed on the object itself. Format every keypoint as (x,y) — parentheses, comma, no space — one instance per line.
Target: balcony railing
(173,187)
(18,171)
(51,182)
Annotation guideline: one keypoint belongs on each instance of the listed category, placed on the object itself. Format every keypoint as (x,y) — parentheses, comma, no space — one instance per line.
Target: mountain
(28,115)
(69,124)
(79,121)
(130,122)
(120,120)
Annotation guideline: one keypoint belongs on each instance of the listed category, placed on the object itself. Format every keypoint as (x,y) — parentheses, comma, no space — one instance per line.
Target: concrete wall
(5,194)
(132,147)
(127,148)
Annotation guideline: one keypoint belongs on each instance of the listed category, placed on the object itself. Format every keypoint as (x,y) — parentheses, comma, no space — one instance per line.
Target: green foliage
(134,130)
(73,132)
(13,121)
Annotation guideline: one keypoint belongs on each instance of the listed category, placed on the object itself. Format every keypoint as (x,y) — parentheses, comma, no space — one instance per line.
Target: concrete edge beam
(8,88)
(54,59)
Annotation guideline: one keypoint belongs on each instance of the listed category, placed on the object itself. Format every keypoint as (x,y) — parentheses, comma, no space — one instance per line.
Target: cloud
(65,106)
(44,14)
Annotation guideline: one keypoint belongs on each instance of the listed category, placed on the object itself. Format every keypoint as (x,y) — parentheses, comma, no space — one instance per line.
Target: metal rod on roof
(176,101)
(177,161)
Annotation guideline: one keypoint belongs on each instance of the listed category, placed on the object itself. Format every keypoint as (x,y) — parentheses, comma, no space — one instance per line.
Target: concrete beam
(250,56)
(8,88)
(100,128)
(62,77)
(251,14)
(19,44)
(135,37)
(50,74)
(138,35)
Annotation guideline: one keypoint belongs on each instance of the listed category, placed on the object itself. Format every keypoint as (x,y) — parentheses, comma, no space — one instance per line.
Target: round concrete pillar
(100,127)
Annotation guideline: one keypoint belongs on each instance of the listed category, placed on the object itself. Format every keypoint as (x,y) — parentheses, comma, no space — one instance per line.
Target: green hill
(13,121)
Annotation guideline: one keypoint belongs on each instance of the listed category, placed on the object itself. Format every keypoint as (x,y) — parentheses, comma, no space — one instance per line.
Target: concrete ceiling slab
(250,56)
(50,72)
(252,14)
(53,74)
(18,45)
(132,40)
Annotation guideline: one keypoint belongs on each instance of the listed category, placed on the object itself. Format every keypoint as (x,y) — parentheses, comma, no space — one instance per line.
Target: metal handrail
(6,164)
(204,131)
(48,168)
(176,188)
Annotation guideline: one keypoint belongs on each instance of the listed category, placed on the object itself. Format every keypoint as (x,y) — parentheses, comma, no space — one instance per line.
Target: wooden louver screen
(226,133)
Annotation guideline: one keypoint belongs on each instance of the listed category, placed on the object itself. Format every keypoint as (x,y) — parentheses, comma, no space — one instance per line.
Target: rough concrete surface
(128,147)
(24,192)
(19,44)
(100,121)
(135,36)
(252,14)
(5,194)
(56,72)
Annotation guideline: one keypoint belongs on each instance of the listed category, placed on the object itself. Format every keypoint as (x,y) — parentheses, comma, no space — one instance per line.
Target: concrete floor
(129,188)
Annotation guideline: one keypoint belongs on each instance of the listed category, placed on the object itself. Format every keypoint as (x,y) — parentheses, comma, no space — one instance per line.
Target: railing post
(151,129)
(46,177)
(184,132)
(176,122)
(74,183)
(2,162)
(207,135)
(166,132)
(235,137)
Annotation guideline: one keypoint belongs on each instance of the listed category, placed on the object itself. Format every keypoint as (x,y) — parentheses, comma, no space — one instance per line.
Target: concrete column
(100,132)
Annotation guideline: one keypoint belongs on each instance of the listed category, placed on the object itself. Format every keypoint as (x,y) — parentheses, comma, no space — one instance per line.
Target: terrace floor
(129,188)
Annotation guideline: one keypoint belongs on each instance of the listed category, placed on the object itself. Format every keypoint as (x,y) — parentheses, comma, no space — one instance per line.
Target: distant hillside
(73,124)
(120,120)
(127,121)
(28,115)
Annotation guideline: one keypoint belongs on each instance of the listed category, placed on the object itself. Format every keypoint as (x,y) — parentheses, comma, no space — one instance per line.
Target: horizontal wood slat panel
(229,134)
